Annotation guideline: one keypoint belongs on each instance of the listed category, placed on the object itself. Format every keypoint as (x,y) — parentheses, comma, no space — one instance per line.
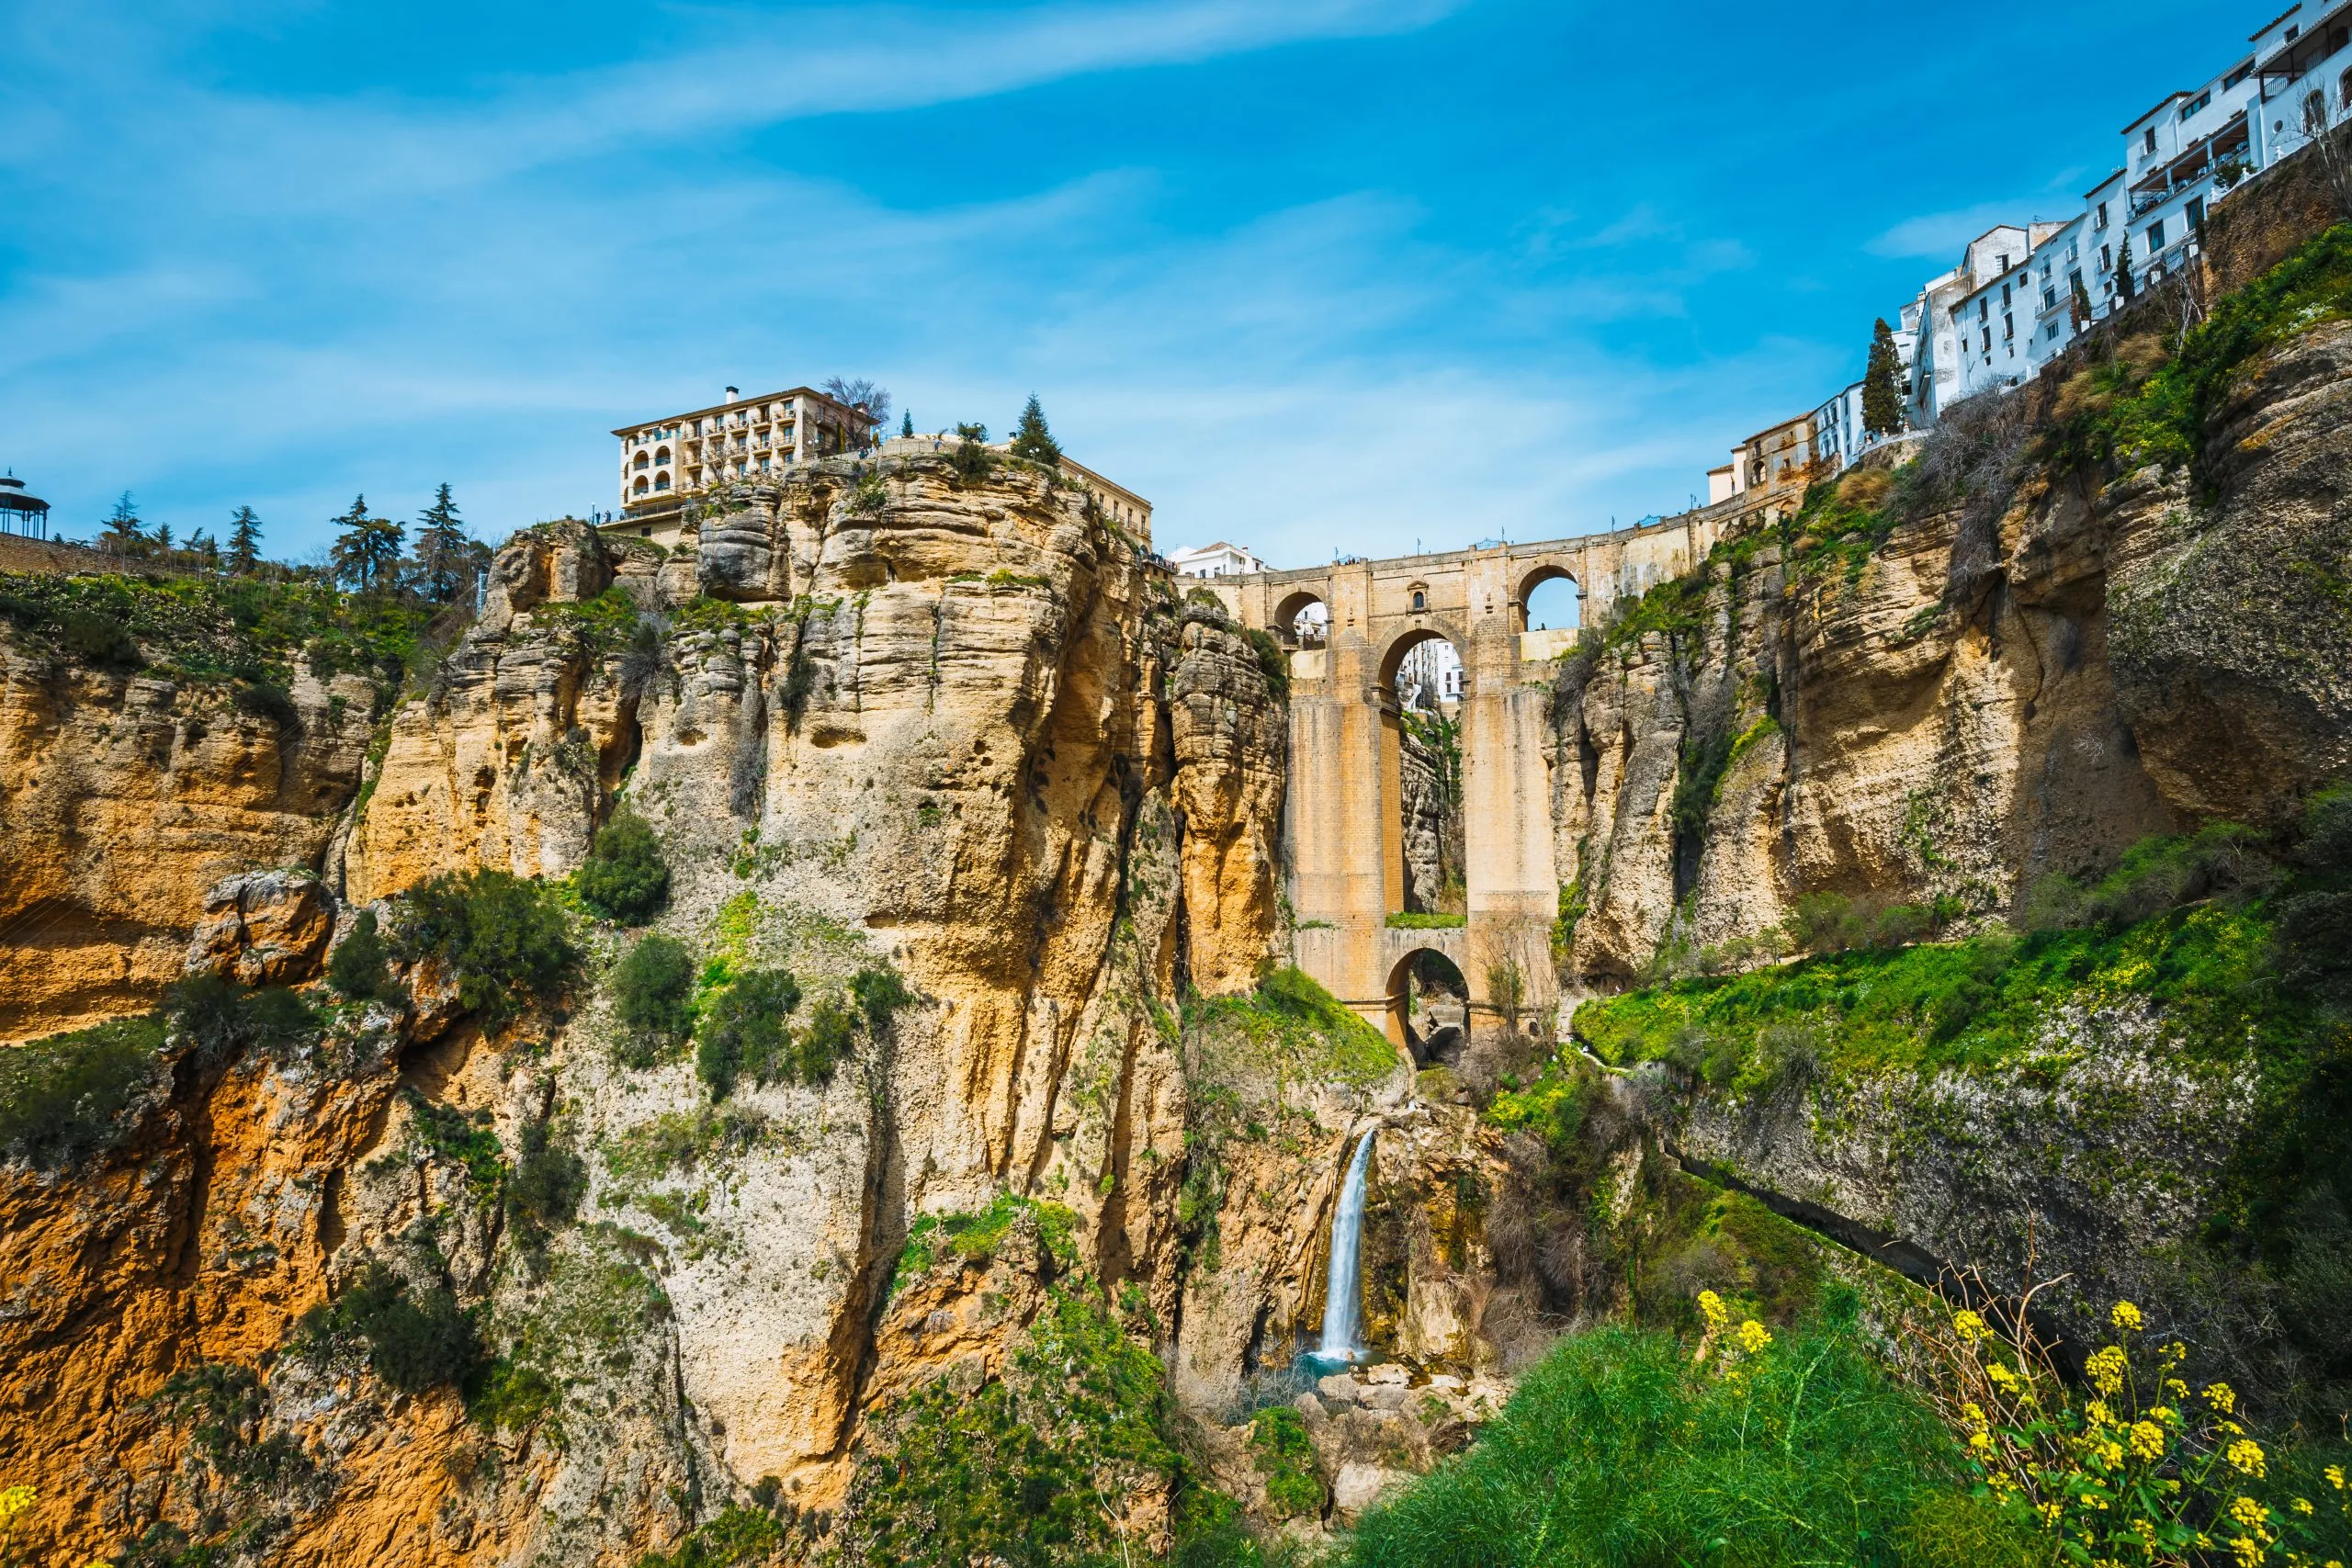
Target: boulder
(264,928)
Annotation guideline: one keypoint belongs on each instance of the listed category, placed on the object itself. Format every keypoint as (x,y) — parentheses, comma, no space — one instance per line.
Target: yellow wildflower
(2220,1397)
(2335,1473)
(1711,1307)
(2176,1388)
(2107,1366)
(2001,1377)
(2147,1440)
(2110,1454)
(1754,1337)
(2127,1317)
(1969,1325)
(1981,1442)
(2248,1549)
(2249,1513)
(2246,1455)
(2302,1506)
(15,1500)
(2050,1512)
(2096,1413)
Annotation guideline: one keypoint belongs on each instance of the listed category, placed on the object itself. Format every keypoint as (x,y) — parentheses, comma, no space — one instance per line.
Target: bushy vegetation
(626,878)
(1057,1462)
(1423,920)
(544,1192)
(358,967)
(217,1017)
(1289,1010)
(1620,1448)
(1281,1453)
(747,1032)
(975,1237)
(2153,399)
(653,991)
(738,1535)
(504,938)
(246,632)
(64,1097)
(415,1338)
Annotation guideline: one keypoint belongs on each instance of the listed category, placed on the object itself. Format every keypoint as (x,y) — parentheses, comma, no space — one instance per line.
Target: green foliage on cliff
(975,1237)
(64,1097)
(1289,1010)
(207,631)
(2145,403)
(504,938)
(626,877)
(415,1337)
(1281,1453)
(1619,1450)
(1055,1462)
(738,1535)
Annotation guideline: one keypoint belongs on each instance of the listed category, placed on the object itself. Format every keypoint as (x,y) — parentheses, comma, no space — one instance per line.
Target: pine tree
(1031,440)
(367,552)
(1881,393)
(204,548)
(447,556)
(2124,270)
(163,537)
(123,533)
(907,426)
(245,542)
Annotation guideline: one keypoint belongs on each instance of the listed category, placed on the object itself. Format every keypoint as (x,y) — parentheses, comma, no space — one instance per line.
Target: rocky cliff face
(883,719)
(1980,700)
(125,797)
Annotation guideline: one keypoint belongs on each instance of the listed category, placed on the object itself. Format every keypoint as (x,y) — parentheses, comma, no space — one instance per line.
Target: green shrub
(63,1098)
(416,1339)
(1031,1470)
(653,996)
(548,1184)
(739,1535)
(97,639)
(626,879)
(1617,1449)
(512,1396)
(747,1032)
(1280,1448)
(879,994)
(504,938)
(1290,1012)
(219,1017)
(358,967)
(1422,920)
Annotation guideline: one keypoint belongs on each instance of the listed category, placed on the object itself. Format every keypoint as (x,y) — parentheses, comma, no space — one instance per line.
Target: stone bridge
(1343,828)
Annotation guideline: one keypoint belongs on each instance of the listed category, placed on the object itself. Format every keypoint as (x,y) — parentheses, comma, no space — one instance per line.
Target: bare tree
(2333,148)
(860,393)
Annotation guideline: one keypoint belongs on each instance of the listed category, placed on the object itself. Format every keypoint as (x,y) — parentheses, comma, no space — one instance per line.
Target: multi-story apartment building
(736,438)
(1219,560)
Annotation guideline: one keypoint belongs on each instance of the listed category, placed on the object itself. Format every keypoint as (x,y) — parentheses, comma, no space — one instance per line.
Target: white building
(2302,80)
(1219,560)
(1838,437)
(736,438)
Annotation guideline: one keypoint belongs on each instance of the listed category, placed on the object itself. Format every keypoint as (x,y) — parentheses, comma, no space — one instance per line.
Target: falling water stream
(1342,1313)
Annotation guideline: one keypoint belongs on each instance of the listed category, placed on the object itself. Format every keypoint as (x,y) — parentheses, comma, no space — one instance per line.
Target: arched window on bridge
(1303,621)
(1429,1008)
(1424,838)
(1549,601)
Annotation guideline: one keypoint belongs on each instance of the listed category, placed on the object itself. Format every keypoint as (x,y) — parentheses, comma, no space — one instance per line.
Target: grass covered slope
(1621,1450)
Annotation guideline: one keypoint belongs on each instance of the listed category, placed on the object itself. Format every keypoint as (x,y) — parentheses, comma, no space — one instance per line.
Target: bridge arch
(1295,621)
(1392,662)
(1532,583)
(1425,971)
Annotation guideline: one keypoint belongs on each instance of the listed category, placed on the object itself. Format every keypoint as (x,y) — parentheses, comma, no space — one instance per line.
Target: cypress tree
(245,542)
(1031,440)
(1882,394)
(2083,316)
(447,556)
(2123,271)
(907,426)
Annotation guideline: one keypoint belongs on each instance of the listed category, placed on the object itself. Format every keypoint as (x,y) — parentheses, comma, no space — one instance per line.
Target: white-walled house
(1838,434)
(1219,560)
(2302,79)
(1959,348)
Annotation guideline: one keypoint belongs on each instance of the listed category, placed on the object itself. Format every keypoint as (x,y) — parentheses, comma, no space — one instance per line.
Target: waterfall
(1342,1310)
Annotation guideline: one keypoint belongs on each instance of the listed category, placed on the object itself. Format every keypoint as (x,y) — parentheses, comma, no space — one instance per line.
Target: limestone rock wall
(124,798)
(2134,660)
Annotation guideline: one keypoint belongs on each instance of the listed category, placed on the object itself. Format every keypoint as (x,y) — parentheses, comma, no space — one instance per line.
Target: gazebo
(21,512)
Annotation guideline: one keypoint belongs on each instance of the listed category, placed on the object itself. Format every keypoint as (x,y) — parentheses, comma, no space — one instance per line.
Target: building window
(2156,237)
(2149,142)
(2343,88)
(2315,112)
(660,481)
(2196,214)
(1420,601)
(2106,258)
(2102,215)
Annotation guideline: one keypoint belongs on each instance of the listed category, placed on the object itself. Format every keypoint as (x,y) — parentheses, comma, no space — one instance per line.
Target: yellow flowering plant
(2134,1470)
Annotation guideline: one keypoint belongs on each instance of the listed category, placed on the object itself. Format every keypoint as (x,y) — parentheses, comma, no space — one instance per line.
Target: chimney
(732,394)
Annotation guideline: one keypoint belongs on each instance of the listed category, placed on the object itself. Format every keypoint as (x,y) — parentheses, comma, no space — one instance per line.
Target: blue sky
(1312,274)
